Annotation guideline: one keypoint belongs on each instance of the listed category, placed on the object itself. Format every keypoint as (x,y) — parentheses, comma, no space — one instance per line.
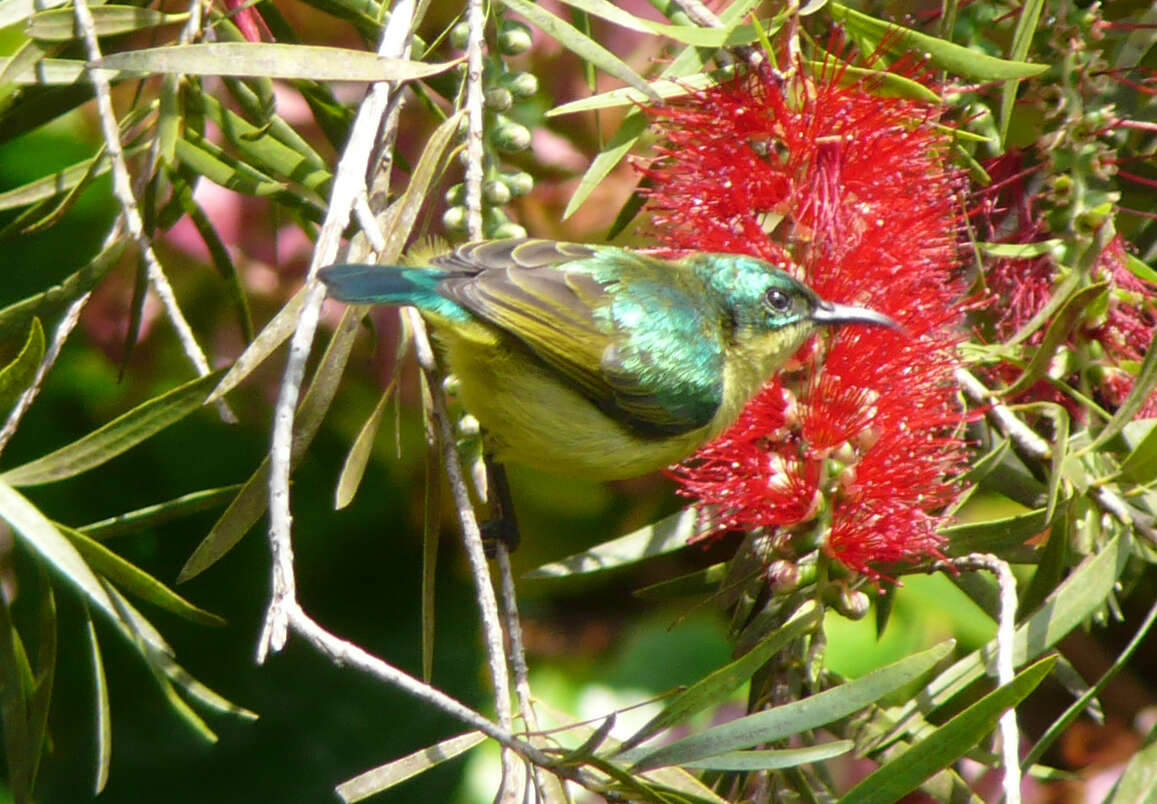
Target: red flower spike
(853,192)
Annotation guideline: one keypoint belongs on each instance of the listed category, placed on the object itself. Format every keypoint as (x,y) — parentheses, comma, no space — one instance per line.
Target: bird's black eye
(777,301)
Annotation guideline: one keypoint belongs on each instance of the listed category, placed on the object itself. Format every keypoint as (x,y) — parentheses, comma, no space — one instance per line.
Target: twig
(348,654)
(349,181)
(1008,422)
(474,152)
(1005,668)
(471,534)
(700,14)
(123,190)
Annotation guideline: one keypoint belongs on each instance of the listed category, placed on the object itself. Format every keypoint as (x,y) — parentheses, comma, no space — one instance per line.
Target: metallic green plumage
(598,360)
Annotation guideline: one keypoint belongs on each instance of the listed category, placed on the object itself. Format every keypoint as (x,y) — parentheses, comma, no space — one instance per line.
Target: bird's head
(772,313)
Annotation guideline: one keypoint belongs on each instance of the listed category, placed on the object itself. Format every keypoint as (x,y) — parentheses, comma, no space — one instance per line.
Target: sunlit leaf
(272,60)
(1060,328)
(718,685)
(108,20)
(792,718)
(134,580)
(42,537)
(774,758)
(668,534)
(18,374)
(956,59)
(903,774)
(103,713)
(386,776)
(579,43)
(119,435)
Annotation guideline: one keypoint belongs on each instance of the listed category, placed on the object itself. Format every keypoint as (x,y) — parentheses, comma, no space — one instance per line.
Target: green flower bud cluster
(503,90)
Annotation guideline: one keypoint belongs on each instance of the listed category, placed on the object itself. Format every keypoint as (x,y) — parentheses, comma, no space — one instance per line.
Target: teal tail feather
(382,284)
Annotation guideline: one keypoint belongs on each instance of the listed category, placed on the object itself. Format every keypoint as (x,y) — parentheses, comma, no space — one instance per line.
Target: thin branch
(1005,667)
(1008,422)
(471,533)
(474,153)
(123,190)
(349,182)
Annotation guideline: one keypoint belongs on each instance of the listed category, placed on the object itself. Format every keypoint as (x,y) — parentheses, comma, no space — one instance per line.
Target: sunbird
(597,361)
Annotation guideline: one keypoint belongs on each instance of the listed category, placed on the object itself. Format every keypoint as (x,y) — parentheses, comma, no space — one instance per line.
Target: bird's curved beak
(829,313)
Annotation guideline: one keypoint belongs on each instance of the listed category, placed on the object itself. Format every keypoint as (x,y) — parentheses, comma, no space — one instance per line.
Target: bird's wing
(661,379)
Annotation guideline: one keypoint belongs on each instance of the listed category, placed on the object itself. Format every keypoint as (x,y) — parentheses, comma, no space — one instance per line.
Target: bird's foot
(500,529)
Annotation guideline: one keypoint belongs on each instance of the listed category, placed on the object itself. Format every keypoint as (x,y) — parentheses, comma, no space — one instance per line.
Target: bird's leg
(502,525)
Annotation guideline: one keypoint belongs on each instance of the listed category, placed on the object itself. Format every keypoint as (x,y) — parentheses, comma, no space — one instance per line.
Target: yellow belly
(534,419)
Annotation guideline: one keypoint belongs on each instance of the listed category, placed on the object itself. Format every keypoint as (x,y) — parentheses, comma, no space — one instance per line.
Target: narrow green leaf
(17,316)
(57,72)
(44,681)
(354,466)
(1140,465)
(666,535)
(431,537)
(884,83)
(279,328)
(133,579)
(1052,565)
(46,541)
(1058,332)
(1021,42)
(153,515)
(699,582)
(1078,707)
(119,435)
(14,672)
(250,503)
(723,36)
(103,712)
(272,60)
(1139,781)
(996,535)
(629,96)
(902,775)
(793,718)
(18,374)
(384,777)
(1022,251)
(59,25)
(581,45)
(773,759)
(954,58)
(632,127)
(689,62)
(218,253)
(717,686)
(258,146)
(1082,593)
(1140,269)
(159,659)
(54,184)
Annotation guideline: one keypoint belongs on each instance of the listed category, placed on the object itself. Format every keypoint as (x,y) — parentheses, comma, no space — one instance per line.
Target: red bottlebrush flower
(852,191)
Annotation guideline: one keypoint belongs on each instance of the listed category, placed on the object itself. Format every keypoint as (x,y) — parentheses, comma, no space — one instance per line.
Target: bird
(597,361)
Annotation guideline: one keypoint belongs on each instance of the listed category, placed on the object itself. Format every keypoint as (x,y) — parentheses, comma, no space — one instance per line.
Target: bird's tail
(381,284)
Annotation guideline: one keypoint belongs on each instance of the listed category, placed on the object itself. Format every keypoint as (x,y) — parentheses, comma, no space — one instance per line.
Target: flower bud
(496,192)
(514,38)
(454,219)
(456,195)
(510,136)
(521,85)
(498,98)
(518,181)
(460,35)
(507,231)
